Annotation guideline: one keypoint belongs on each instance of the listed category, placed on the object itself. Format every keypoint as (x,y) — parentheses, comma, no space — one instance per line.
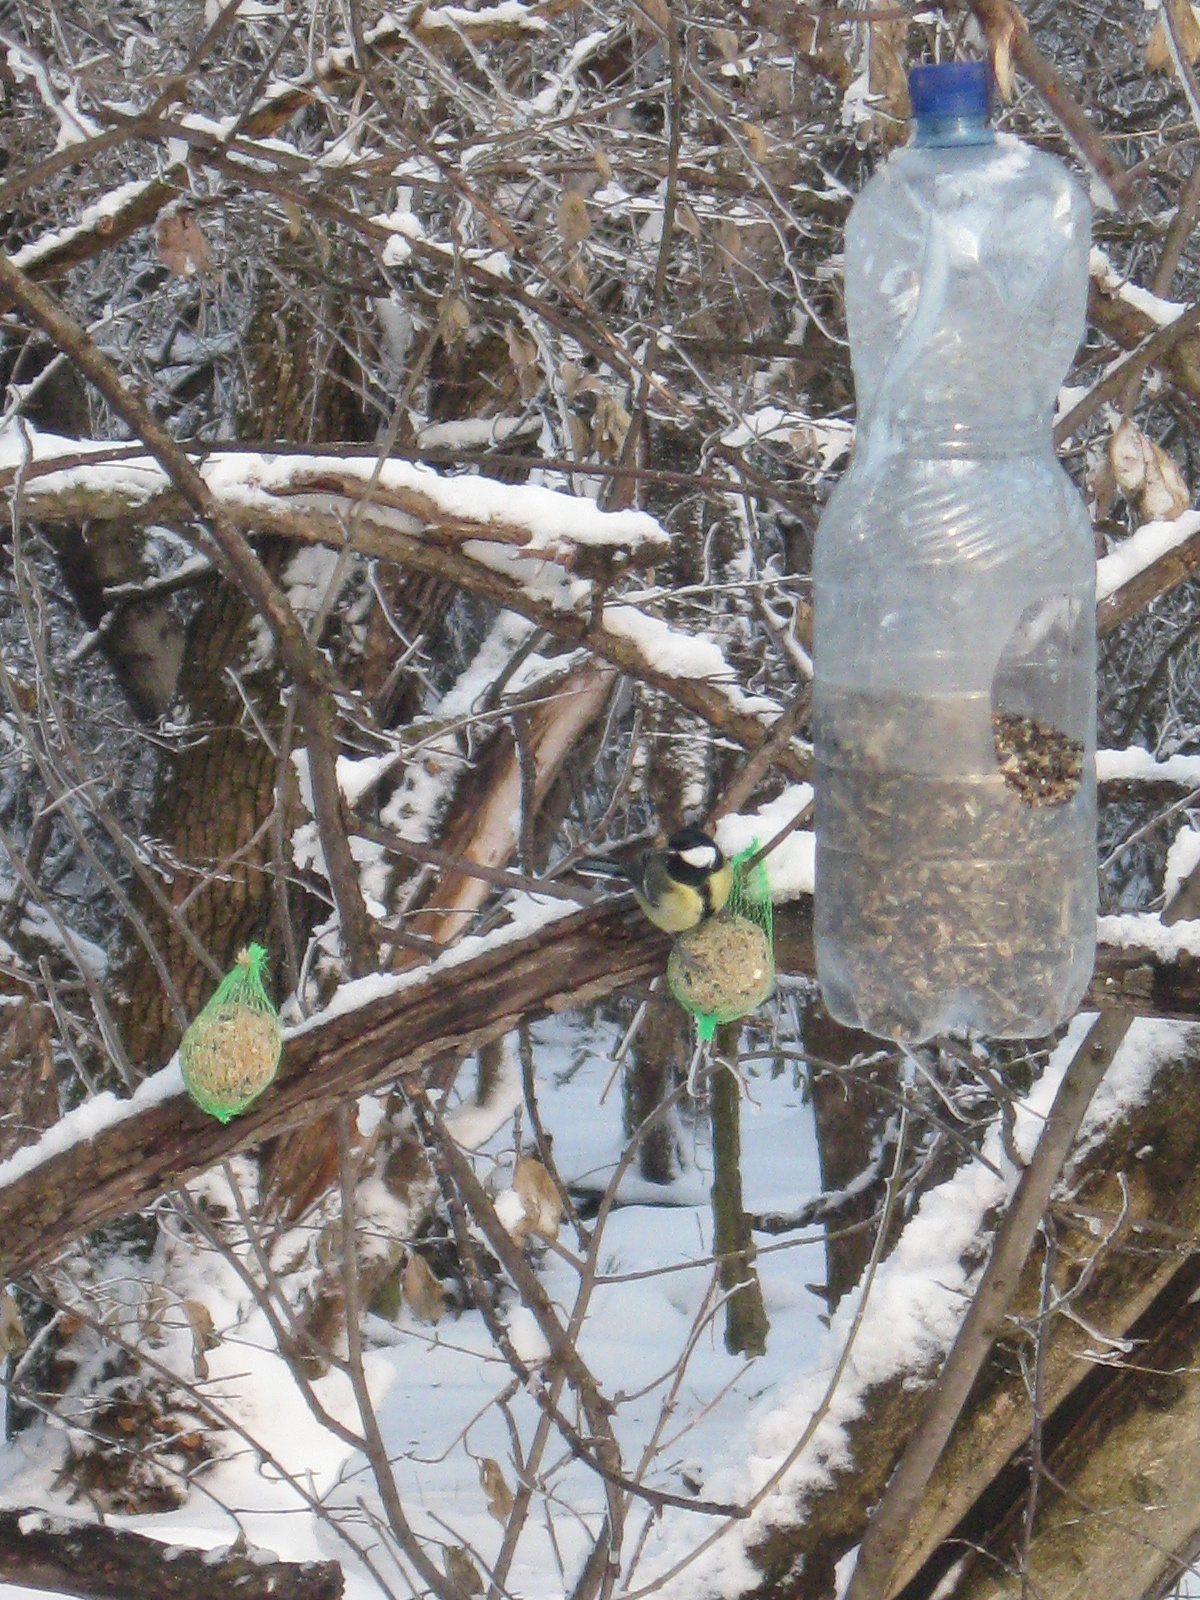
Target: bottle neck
(934,132)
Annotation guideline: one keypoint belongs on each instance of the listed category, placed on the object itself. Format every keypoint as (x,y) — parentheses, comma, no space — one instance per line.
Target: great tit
(677,885)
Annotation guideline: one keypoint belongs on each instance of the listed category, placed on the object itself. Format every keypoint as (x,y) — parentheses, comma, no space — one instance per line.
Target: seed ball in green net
(723,968)
(231,1051)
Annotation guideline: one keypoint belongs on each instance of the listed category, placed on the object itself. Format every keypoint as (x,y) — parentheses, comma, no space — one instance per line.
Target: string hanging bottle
(954,579)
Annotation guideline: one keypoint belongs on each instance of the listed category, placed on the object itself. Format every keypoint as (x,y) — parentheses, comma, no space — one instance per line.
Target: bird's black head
(694,856)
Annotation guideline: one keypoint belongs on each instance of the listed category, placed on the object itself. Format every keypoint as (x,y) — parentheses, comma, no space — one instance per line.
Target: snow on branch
(105,222)
(73,126)
(1110,282)
(540,552)
(508,19)
(1157,557)
(89,1558)
(1137,765)
(122,211)
(111,1157)
(542,523)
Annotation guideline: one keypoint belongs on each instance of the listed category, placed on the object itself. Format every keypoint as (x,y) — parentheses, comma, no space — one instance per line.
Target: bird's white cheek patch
(700,855)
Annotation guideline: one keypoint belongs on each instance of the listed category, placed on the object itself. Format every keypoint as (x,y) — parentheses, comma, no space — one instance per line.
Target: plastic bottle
(954,575)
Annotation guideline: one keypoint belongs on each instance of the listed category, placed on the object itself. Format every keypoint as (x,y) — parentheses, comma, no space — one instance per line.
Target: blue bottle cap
(951,91)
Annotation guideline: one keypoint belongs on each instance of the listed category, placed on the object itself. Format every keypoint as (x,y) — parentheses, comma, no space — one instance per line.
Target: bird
(678,884)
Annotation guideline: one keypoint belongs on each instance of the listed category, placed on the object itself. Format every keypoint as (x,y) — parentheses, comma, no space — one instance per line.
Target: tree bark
(212,799)
(102,1563)
(565,964)
(455,1010)
(746,1325)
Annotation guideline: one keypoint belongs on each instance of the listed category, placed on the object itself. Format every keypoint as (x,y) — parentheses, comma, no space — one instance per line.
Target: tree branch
(432,1013)
(996,19)
(50,1552)
(299,655)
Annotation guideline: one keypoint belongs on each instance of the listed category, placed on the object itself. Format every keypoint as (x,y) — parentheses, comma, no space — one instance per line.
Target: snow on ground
(735,1420)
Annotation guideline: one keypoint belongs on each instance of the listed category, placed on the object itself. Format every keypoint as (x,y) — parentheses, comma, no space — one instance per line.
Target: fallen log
(45,1551)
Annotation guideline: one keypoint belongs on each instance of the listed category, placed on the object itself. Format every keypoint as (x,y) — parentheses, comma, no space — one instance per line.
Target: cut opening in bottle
(1039,702)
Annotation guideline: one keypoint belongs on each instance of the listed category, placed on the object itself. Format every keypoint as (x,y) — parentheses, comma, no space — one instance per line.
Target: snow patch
(91,219)
(791,866)
(1182,858)
(529,913)
(1143,930)
(681,655)
(528,1340)
(1160,311)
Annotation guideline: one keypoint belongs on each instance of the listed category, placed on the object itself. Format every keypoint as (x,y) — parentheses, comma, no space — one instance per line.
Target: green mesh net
(725,968)
(231,1051)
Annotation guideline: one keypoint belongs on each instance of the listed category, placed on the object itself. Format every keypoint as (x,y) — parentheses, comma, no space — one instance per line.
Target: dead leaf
(524,358)
(804,442)
(726,42)
(1144,471)
(729,238)
(1165,495)
(150,1312)
(425,1295)
(756,141)
(456,320)
(821,44)
(204,1335)
(651,14)
(687,219)
(12,1329)
(499,1495)
(581,439)
(577,275)
(610,424)
(572,218)
(543,1207)
(1158,57)
(461,1570)
(1002,22)
(201,1323)
(182,248)
(888,78)
(1127,458)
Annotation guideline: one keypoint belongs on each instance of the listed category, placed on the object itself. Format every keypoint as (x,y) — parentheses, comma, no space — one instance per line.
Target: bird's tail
(604,867)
